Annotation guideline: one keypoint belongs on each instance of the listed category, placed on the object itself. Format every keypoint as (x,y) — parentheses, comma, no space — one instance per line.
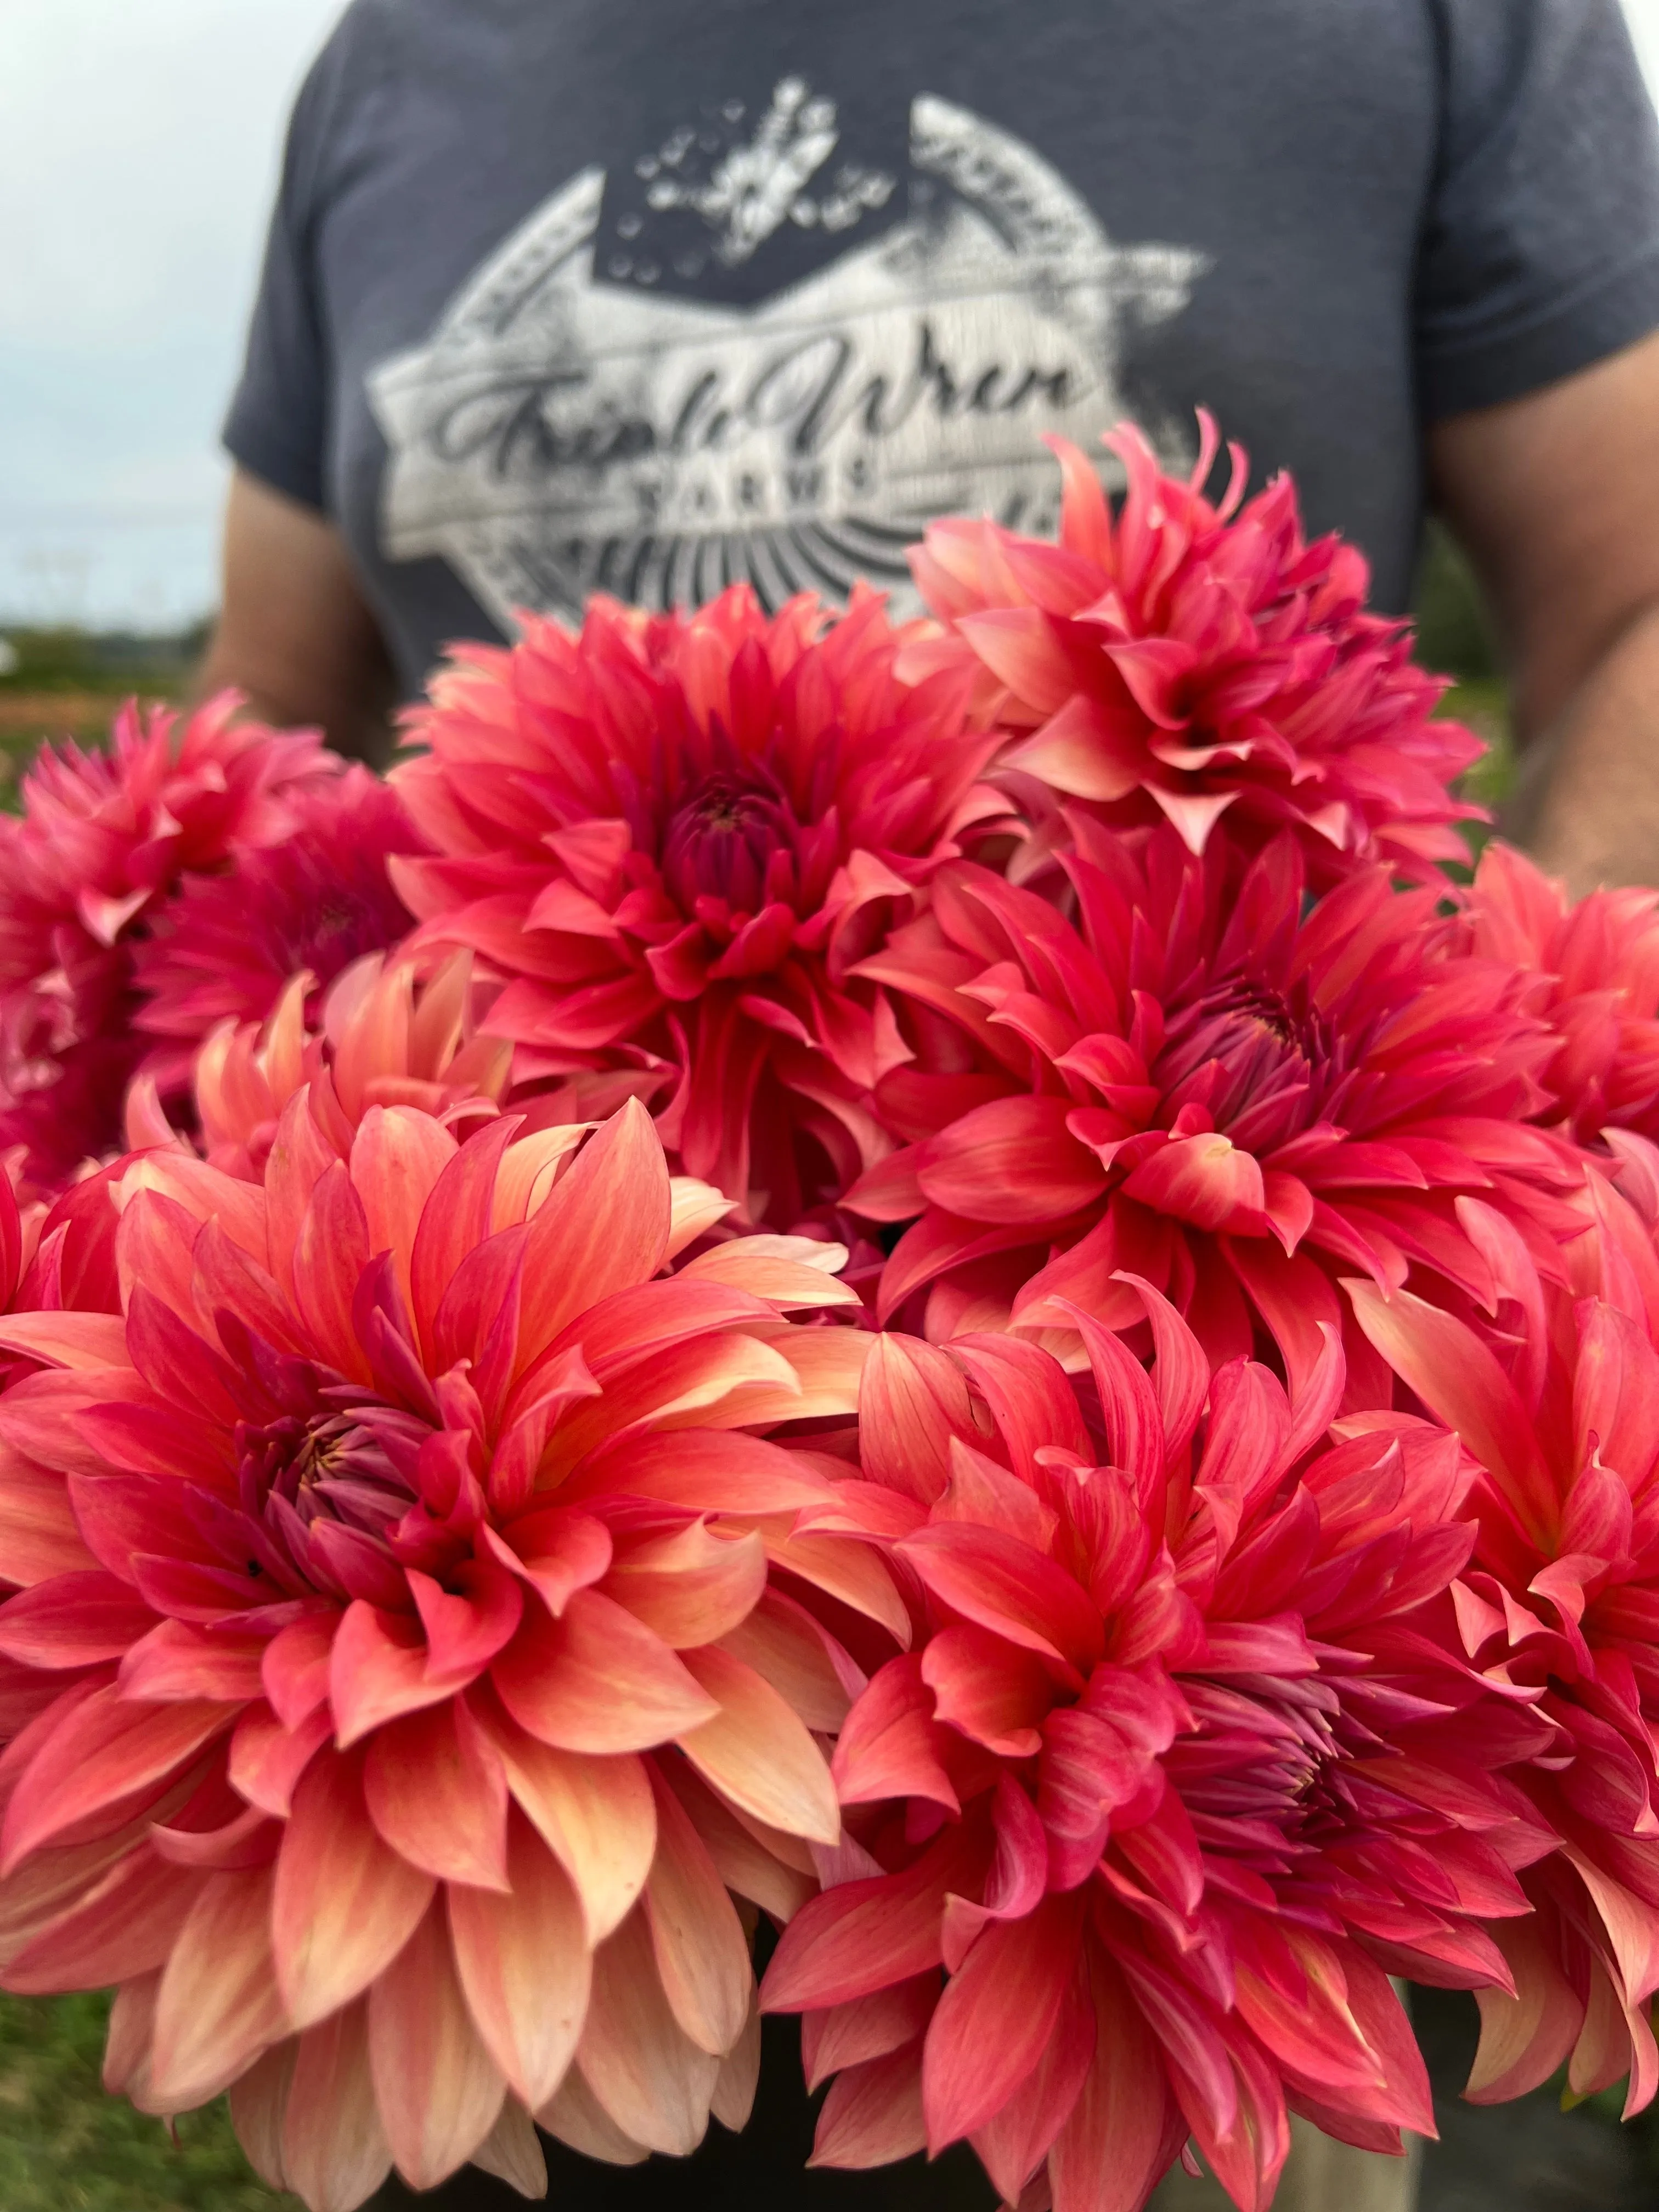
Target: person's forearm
(1587,803)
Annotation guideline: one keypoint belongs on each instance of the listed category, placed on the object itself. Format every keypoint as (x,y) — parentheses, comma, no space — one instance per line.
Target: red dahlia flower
(1598,969)
(102,839)
(388,1686)
(673,839)
(1204,1084)
(1192,659)
(1561,1608)
(224,945)
(1183,1765)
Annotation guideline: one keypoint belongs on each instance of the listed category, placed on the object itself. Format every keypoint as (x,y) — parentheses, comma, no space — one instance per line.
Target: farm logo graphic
(579,419)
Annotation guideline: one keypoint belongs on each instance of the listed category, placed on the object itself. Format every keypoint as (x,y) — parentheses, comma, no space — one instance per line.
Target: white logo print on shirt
(558,433)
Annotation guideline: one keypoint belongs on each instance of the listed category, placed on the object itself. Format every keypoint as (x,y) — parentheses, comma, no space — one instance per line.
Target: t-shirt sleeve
(1540,251)
(278,425)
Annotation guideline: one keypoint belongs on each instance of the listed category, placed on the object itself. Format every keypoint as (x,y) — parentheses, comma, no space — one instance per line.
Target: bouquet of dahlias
(945,1307)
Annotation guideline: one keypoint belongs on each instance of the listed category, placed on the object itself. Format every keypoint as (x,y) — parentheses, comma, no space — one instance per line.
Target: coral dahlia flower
(673,839)
(1597,963)
(1204,1084)
(383,1037)
(393,1688)
(1183,1765)
(1560,1606)
(223,946)
(102,839)
(1191,658)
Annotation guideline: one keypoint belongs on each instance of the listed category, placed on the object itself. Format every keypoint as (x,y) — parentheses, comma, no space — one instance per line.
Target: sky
(138,154)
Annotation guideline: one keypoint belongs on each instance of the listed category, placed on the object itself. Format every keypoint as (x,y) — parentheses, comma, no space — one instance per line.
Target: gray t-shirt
(634,295)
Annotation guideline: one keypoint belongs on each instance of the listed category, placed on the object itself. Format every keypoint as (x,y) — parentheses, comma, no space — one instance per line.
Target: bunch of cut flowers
(945,1304)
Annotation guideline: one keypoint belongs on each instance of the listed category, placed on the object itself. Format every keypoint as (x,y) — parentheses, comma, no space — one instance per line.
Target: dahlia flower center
(326,1467)
(1269,1764)
(1244,1049)
(735,841)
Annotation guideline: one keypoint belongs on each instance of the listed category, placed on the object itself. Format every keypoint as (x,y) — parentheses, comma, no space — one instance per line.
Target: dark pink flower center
(1258,1062)
(1265,1775)
(735,841)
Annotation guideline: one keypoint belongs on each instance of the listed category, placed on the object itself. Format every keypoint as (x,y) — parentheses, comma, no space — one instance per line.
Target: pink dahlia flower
(223,946)
(1183,1764)
(1598,969)
(102,839)
(673,840)
(1212,1087)
(393,1688)
(1560,1608)
(1189,660)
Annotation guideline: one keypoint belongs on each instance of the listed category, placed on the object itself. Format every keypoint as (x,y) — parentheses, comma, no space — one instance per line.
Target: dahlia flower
(1597,963)
(672,840)
(102,838)
(1183,1765)
(1204,1084)
(393,1688)
(1190,660)
(1560,1606)
(223,946)
(383,1037)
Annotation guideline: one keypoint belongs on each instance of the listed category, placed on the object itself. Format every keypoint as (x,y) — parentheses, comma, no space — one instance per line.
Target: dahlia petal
(752,1860)
(377,1670)
(800,1659)
(456,1219)
(39,1536)
(913,1403)
(125,1927)
(465,1629)
(595,1814)
(104,1754)
(217,2007)
(1015,2140)
(437,1792)
(701,1472)
(701,1957)
(557,1551)
(873,2115)
(523,1958)
(739,2079)
(846,2035)
(396,1159)
(511,2151)
(996,1693)
(1006,1586)
(1457,1378)
(1204,1180)
(998,2014)
(259,2103)
(334,2152)
(437,2088)
(597,1680)
(576,2116)
(863,1935)
(653,2081)
(330,1254)
(345,1902)
(67,1340)
(757,1751)
(175,1662)
(848,1568)
(689,1588)
(890,1746)
(268,1758)
(73,1620)
(1013,1162)
(604,1227)
(1116,2142)
(294,1670)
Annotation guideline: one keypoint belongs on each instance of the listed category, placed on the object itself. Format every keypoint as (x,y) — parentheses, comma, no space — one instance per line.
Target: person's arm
(295,632)
(1555,497)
